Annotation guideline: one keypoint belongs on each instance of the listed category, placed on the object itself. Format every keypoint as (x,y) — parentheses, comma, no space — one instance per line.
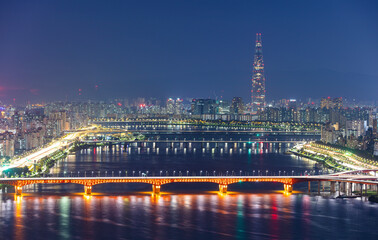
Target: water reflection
(188,216)
(18,218)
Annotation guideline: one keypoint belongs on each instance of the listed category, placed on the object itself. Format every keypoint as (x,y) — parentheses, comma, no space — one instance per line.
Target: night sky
(50,49)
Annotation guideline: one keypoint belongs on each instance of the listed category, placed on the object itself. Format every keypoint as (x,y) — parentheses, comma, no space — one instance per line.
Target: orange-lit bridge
(360,178)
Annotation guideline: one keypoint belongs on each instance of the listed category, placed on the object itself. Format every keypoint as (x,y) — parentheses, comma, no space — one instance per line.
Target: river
(183,211)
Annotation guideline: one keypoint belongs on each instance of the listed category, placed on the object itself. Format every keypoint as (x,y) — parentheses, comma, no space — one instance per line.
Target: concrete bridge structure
(346,180)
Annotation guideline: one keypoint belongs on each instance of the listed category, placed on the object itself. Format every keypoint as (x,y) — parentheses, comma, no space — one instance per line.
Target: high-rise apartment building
(329,103)
(258,78)
(237,106)
(203,106)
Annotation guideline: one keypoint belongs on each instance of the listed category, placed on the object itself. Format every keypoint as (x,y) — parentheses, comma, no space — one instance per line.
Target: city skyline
(200,119)
(144,58)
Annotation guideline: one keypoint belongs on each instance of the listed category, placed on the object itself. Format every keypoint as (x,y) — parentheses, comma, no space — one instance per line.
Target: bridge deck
(223,181)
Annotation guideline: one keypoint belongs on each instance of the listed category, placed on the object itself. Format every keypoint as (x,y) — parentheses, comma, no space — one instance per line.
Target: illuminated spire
(258,77)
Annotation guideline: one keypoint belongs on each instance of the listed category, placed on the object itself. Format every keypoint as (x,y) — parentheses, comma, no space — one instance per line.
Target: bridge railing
(172,173)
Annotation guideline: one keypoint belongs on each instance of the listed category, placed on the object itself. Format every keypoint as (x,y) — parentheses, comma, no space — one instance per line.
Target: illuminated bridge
(347,181)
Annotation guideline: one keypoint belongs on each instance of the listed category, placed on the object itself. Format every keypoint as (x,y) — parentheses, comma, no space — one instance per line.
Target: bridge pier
(309,187)
(223,188)
(288,188)
(333,187)
(88,190)
(343,187)
(18,190)
(156,189)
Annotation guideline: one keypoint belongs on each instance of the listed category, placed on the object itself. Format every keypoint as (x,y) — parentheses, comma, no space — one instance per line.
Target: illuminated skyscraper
(258,77)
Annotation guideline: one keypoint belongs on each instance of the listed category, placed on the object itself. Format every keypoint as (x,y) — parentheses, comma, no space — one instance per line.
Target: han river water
(183,211)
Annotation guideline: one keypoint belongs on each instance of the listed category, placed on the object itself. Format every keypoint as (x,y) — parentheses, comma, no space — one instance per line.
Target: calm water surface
(183,211)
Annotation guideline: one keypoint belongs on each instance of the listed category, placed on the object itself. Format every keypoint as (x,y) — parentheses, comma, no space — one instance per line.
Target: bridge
(189,141)
(170,131)
(359,179)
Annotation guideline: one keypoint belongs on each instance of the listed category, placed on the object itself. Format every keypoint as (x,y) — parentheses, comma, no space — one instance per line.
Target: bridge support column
(361,189)
(288,188)
(309,187)
(223,188)
(18,190)
(339,187)
(156,189)
(88,190)
(333,185)
(318,187)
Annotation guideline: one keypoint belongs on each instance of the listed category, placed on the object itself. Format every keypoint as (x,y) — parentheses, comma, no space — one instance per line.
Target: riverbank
(328,162)
(336,158)
(373,198)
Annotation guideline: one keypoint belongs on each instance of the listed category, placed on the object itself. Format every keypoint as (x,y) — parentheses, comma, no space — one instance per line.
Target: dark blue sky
(50,49)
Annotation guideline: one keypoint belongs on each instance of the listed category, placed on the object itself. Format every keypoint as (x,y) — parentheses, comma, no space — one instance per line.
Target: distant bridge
(357,178)
(190,141)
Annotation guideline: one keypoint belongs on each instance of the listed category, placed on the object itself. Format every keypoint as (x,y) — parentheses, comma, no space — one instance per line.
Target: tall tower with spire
(258,77)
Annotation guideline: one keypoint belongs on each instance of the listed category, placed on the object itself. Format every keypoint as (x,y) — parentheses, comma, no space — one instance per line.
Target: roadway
(43,152)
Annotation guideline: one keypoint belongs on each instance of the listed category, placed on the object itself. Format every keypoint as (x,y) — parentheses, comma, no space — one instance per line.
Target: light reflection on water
(184,211)
(185,216)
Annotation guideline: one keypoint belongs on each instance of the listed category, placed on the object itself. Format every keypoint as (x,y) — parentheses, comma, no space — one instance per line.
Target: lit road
(36,156)
(346,159)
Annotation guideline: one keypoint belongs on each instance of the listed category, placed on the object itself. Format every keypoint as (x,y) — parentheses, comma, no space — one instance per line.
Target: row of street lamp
(177,173)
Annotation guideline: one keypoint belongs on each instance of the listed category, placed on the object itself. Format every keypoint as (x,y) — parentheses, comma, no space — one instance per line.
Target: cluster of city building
(344,122)
(352,128)
(27,128)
